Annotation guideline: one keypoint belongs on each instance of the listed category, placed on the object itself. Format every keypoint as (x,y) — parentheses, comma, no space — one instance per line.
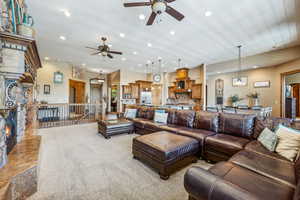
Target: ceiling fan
(158,7)
(104,50)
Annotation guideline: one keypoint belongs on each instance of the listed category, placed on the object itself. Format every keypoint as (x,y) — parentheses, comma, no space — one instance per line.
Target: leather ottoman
(108,128)
(165,152)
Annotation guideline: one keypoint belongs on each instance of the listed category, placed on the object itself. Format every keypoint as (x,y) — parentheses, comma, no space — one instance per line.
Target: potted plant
(255,98)
(234,99)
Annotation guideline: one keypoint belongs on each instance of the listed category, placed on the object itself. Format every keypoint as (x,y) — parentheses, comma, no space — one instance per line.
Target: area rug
(76,163)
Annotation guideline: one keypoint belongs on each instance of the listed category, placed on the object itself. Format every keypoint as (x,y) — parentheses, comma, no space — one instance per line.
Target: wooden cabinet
(135,94)
(172,92)
(126,92)
(196,91)
(144,85)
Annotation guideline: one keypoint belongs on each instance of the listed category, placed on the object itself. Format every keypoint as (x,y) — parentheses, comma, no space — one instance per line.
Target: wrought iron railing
(54,115)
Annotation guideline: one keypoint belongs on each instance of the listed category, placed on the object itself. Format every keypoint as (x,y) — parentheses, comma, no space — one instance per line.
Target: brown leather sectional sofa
(245,169)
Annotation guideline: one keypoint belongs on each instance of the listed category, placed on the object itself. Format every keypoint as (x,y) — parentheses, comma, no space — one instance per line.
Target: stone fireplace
(19,61)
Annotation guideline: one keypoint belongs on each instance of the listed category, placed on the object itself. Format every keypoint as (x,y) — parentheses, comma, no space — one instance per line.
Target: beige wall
(59,92)
(128,76)
(269,96)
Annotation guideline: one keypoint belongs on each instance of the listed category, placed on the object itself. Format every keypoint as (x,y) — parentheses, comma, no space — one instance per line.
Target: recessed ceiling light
(47,58)
(142,17)
(208,13)
(122,35)
(123,59)
(134,53)
(62,37)
(148,61)
(219,72)
(149,45)
(66,12)
(255,66)
(83,64)
(172,32)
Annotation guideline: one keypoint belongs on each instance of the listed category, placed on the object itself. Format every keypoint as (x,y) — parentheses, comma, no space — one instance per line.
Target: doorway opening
(291,95)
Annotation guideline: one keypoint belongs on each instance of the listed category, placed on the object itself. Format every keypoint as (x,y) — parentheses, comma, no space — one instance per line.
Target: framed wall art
(58,77)
(46,89)
(262,84)
(243,83)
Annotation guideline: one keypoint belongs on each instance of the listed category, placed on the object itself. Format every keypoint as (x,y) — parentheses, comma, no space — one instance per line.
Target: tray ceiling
(258,25)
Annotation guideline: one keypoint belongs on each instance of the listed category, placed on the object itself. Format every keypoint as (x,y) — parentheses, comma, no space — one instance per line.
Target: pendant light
(239,78)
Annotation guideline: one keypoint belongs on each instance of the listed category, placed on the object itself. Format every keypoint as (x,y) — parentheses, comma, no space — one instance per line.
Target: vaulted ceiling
(259,25)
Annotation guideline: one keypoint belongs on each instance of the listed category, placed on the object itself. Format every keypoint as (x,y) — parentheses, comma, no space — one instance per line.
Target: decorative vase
(234,104)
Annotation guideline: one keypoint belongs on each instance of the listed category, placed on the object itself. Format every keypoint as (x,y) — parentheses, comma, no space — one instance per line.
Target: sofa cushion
(171,116)
(152,126)
(207,120)
(185,118)
(277,169)
(237,124)
(146,113)
(250,182)
(198,134)
(226,144)
(270,123)
(139,122)
(257,147)
(170,128)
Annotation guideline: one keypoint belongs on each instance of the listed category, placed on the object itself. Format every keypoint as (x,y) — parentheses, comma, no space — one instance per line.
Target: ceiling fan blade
(92,48)
(137,4)
(110,56)
(174,13)
(169,1)
(115,52)
(95,53)
(151,18)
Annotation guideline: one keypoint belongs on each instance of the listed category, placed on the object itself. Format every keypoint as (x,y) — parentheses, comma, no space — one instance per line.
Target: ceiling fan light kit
(158,7)
(104,50)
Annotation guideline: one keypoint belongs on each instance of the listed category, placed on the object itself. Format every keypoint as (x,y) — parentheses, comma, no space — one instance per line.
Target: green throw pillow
(268,139)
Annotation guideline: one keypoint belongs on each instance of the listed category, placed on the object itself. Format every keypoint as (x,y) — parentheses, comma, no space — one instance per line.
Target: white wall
(59,93)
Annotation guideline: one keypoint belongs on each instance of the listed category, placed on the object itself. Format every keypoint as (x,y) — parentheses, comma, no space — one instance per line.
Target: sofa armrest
(202,184)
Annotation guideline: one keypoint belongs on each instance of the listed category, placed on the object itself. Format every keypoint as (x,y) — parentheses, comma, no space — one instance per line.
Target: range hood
(183,83)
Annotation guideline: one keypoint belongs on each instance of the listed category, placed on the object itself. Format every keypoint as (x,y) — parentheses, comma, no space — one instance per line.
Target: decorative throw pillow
(130,113)
(268,139)
(161,118)
(288,142)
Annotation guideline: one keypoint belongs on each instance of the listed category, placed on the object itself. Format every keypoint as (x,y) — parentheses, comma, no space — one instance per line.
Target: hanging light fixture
(239,78)
(179,63)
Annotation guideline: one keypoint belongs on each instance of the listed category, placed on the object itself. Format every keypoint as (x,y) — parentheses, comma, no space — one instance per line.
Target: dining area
(242,109)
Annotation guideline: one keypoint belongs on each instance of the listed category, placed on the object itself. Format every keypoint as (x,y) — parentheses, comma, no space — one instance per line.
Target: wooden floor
(18,178)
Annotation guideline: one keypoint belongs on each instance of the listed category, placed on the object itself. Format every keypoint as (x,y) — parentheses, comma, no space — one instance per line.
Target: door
(296,95)
(76,96)
(77,92)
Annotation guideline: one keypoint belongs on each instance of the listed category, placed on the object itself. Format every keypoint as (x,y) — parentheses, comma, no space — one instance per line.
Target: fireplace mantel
(29,47)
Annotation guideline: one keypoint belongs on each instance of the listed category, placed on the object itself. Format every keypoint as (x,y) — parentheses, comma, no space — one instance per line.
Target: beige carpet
(77,163)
